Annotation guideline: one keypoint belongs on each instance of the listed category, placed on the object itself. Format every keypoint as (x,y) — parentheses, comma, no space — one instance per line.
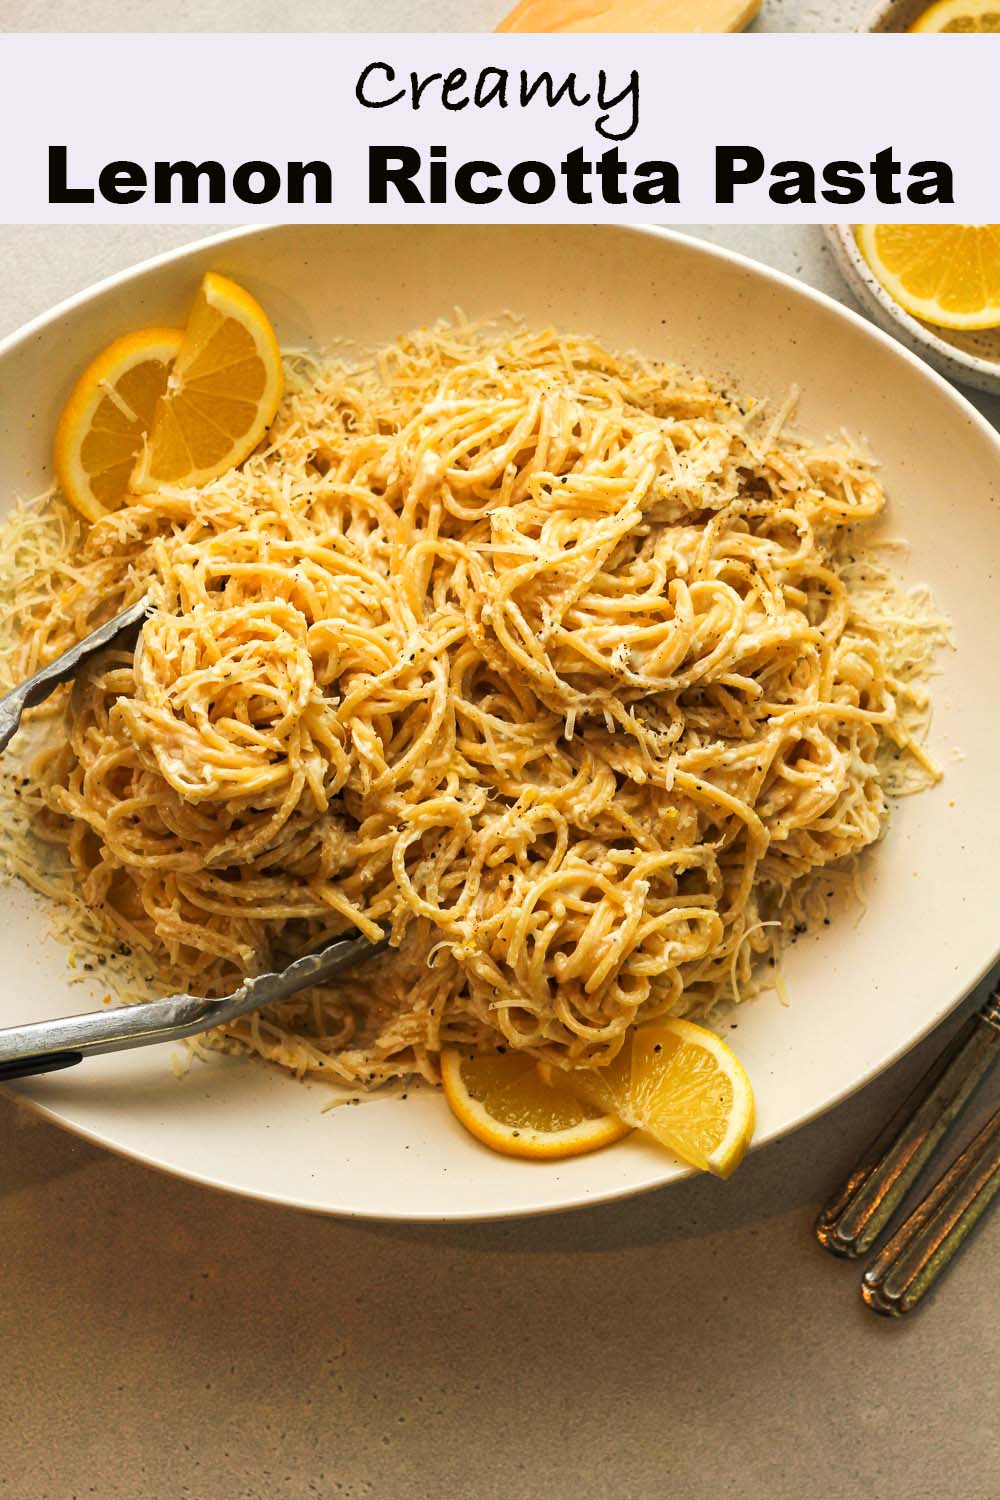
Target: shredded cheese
(563,666)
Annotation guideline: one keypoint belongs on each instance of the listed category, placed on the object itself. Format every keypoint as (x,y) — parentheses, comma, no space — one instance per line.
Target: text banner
(447,128)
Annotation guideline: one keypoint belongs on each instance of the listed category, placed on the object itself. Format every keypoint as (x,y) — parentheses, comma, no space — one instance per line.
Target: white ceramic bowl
(860,993)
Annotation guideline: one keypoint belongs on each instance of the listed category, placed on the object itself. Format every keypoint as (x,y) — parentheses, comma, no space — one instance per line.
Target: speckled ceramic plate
(860,992)
(970,356)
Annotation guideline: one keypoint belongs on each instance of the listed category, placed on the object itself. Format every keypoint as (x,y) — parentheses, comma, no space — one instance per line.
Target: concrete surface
(158,1341)
(354,15)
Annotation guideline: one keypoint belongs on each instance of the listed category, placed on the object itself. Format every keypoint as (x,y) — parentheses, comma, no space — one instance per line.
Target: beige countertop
(160,1341)
(356,15)
(157,1340)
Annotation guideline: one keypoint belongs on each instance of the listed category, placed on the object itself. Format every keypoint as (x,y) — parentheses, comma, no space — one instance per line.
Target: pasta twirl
(553,662)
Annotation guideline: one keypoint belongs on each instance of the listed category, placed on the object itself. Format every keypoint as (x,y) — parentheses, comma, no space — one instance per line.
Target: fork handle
(856,1215)
(910,1263)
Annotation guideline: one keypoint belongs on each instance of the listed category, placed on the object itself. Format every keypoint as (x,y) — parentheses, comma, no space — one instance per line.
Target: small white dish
(861,992)
(971,358)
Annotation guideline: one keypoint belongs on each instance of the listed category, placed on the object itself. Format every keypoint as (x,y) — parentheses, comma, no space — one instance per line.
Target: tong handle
(43,1046)
(856,1215)
(37,688)
(923,1247)
(28,1067)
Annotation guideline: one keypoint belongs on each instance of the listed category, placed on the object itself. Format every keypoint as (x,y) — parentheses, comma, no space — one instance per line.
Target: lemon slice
(111,407)
(960,15)
(946,274)
(223,391)
(681,1084)
(502,1100)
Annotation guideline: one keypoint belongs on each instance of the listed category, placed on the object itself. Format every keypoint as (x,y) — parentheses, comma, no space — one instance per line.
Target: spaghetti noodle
(545,659)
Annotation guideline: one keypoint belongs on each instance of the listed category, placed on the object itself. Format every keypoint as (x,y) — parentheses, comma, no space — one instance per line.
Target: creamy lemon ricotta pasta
(561,667)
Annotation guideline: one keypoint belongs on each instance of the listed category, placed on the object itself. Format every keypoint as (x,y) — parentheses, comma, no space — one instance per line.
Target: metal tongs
(45,1046)
(123,630)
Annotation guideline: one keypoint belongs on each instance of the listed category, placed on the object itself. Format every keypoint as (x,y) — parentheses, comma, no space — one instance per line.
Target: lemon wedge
(100,432)
(945,274)
(680,1083)
(222,394)
(674,1080)
(960,15)
(503,1101)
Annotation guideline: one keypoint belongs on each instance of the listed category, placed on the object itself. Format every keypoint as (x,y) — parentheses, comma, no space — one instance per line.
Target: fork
(926,1243)
(857,1213)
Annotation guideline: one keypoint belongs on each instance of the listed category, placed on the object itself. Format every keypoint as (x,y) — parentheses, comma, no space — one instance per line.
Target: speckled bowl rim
(967,369)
